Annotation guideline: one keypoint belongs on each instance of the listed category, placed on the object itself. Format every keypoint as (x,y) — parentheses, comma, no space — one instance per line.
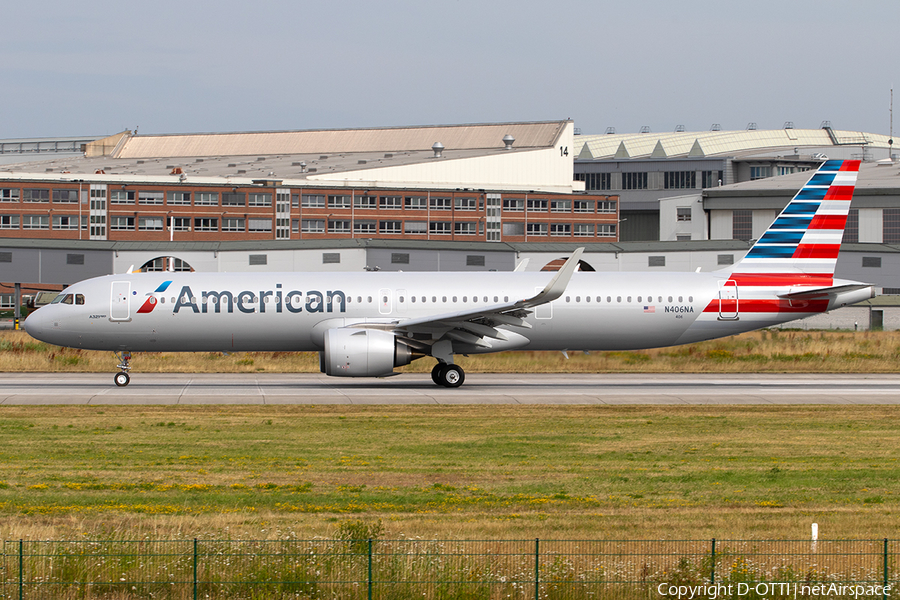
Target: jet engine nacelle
(363,353)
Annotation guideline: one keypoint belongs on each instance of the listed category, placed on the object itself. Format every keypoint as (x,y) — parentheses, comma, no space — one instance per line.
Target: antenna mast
(891,138)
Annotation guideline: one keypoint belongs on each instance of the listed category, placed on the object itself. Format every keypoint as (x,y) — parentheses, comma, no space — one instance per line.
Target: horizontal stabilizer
(823,292)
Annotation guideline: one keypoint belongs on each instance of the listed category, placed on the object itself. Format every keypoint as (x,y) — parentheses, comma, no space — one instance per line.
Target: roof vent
(788,124)
(715,127)
(610,131)
(679,129)
(751,126)
(508,140)
(438,149)
(645,129)
(825,125)
(176,171)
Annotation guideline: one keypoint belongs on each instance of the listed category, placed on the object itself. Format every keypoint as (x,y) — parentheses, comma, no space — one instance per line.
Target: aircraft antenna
(891,138)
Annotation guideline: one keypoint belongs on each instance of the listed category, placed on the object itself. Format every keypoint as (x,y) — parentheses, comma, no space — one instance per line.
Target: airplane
(366,324)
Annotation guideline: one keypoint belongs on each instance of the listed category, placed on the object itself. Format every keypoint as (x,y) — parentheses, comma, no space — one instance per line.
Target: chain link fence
(450,569)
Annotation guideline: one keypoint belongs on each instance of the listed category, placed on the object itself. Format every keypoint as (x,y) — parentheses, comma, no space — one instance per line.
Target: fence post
(370,569)
(883,592)
(537,570)
(21,570)
(712,564)
(195,568)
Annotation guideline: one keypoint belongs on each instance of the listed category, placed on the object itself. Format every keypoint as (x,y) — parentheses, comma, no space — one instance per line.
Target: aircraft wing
(473,325)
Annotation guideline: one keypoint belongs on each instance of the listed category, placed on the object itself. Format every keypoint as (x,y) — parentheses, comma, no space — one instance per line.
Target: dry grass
(761,351)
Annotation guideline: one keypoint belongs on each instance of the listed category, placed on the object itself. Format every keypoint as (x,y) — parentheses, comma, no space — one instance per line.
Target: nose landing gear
(122,378)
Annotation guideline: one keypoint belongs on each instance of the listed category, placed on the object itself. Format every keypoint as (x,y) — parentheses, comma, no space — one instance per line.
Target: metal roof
(391,139)
(719,143)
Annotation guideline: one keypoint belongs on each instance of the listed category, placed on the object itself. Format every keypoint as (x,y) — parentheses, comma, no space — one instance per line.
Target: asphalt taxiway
(265,388)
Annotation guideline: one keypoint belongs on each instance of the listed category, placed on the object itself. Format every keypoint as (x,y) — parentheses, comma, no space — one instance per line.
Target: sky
(97,67)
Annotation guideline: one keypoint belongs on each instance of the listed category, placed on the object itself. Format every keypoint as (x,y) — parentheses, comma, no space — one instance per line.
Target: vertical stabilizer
(806,237)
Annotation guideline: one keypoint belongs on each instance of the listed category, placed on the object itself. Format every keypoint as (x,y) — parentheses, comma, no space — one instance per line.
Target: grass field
(759,351)
(448,472)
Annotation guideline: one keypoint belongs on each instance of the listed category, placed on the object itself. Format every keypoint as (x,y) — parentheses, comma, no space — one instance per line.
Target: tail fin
(806,236)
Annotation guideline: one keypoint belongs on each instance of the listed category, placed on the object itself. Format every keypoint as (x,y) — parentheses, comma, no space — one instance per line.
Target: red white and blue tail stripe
(806,236)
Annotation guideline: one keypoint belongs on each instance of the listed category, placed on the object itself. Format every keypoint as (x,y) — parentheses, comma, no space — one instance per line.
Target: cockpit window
(68,299)
(58,299)
(79,298)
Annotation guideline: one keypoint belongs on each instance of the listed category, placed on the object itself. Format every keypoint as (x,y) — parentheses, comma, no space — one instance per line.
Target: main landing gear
(122,378)
(451,376)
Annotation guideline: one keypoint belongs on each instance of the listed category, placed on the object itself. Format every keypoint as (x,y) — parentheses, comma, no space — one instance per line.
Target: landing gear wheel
(122,379)
(436,373)
(452,376)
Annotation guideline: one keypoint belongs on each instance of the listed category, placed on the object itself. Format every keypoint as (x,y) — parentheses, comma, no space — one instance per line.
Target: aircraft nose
(33,324)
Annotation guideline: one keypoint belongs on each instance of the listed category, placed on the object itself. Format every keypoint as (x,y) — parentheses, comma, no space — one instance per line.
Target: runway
(595,389)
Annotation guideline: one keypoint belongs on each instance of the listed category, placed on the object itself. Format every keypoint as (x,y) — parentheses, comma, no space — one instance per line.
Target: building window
(65,222)
(338,226)
(584,206)
(312,226)
(331,258)
(182,198)
(440,227)
(65,196)
(890,291)
(465,204)
(441,203)
(181,223)
(606,206)
(206,199)
(35,222)
(475,260)
(712,179)
(259,259)
(871,261)
(584,230)
(513,204)
(415,227)
(9,221)
(563,206)
(365,202)
(416,203)
(260,199)
(634,181)
(537,205)
(74,259)
(399,258)
(725,259)
(260,225)
(606,230)
(204,224)
(656,261)
(676,180)
(390,202)
(760,173)
(683,214)
(684,237)
(851,227)
(35,195)
(537,229)
(234,199)
(233,224)
(560,229)
(595,181)
(742,225)
(150,223)
(295,225)
(364,227)
(5,257)
(891,225)
(465,228)
(118,223)
(313,201)
(390,227)
(339,201)
(151,197)
(10,194)
(513,229)
(121,196)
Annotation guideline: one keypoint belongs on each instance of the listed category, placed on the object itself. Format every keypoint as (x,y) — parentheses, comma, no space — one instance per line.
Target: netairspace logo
(772,590)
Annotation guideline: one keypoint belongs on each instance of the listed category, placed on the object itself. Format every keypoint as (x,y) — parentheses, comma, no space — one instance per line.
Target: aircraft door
(119,301)
(728,300)
(543,311)
(384,301)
